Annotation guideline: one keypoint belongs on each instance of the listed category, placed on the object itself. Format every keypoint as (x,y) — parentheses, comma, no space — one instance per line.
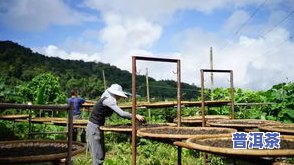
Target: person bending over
(104,107)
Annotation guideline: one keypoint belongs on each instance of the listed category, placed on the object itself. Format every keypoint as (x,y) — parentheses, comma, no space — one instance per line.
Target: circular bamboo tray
(241,123)
(281,163)
(128,127)
(13,117)
(183,132)
(287,129)
(46,119)
(198,119)
(207,145)
(75,122)
(30,151)
(41,120)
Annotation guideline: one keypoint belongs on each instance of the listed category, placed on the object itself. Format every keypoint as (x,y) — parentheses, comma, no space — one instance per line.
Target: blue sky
(251,37)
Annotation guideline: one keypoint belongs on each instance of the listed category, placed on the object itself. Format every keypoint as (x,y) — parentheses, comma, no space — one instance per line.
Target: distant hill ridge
(21,64)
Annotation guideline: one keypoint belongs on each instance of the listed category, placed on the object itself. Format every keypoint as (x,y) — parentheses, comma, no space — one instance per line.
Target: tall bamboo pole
(211,73)
(104,80)
(147,86)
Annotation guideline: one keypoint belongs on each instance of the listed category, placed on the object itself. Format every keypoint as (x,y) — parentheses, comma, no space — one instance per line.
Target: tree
(43,89)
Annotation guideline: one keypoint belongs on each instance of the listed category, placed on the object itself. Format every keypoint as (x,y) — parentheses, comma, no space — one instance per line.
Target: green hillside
(19,65)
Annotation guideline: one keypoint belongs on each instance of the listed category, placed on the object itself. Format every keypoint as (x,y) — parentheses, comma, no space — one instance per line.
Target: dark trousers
(78,131)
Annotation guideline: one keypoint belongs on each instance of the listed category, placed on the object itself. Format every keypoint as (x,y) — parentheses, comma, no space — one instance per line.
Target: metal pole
(179,92)
(69,134)
(202,98)
(134,131)
(232,95)
(179,155)
(179,106)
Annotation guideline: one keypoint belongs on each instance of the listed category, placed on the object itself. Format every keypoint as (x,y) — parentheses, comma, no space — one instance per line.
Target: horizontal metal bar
(156,59)
(25,106)
(215,70)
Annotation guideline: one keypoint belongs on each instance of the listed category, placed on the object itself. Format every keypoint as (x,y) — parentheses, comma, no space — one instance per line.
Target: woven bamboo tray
(183,132)
(75,122)
(287,129)
(47,119)
(41,120)
(13,117)
(198,119)
(281,163)
(128,127)
(241,123)
(30,151)
(211,145)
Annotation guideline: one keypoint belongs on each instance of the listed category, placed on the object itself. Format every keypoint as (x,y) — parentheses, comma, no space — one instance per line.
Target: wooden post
(104,80)
(147,92)
(211,73)
(147,86)
(232,95)
(202,98)
(69,134)
(30,124)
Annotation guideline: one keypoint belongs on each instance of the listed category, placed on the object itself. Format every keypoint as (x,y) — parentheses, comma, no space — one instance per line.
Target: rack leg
(179,155)
(204,157)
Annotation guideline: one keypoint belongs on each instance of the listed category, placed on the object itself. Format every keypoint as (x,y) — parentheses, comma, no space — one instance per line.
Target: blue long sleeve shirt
(77,102)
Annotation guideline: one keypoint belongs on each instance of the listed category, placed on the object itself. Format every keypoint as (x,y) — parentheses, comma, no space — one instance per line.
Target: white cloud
(236,20)
(132,27)
(82,43)
(122,36)
(155,10)
(257,63)
(54,51)
(35,15)
(130,33)
(261,62)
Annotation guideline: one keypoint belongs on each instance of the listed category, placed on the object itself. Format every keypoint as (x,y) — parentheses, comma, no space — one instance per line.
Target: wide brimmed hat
(116,89)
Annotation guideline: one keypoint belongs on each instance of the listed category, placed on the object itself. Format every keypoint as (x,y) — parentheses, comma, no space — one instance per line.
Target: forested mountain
(19,65)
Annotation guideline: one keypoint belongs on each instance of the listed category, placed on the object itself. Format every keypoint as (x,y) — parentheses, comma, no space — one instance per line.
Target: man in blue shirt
(77,102)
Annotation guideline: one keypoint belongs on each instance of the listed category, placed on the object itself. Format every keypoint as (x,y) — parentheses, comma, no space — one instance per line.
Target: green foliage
(165,89)
(43,89)
(88,87)
(282,95)
(248,96)
(220,94)
(280,100)
(8,93)
(6,131)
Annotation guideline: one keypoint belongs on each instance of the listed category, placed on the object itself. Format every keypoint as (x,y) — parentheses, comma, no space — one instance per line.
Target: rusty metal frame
(134,103)
(202,71)
(68,108)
